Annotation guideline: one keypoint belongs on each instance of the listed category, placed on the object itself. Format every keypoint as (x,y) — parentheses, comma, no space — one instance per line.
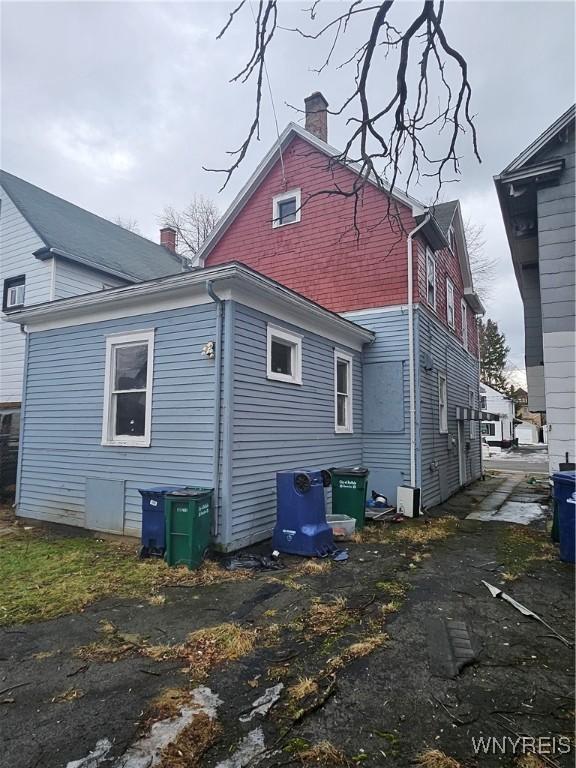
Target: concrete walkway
(502,505)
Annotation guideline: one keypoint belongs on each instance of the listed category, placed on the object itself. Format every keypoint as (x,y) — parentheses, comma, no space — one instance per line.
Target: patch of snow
(264,703)
(249,748)
(519,512)
(94,758)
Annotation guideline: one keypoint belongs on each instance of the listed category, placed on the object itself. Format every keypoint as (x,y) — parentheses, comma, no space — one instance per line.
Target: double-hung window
(128,389)
(464,311)
(472,401)
(286,208)
(430,278)
(342,392)
(284,355)
(488,428)
(450,313)
(14,290)
(442,403)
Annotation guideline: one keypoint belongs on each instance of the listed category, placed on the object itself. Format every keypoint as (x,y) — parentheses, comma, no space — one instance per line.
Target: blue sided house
(215,378)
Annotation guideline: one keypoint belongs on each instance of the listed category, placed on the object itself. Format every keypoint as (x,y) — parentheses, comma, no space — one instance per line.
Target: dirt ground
(367,678)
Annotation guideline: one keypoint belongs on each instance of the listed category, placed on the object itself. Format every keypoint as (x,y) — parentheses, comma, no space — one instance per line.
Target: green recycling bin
(188,525)
(349,485)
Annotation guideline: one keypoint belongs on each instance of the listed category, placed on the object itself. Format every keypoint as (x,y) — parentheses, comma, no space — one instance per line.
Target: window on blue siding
(128,389)
(430,279)
(14,290)
(284,355)
(442,403)
(342,392)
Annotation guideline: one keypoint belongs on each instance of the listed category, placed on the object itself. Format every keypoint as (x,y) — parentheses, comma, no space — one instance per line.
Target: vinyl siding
(557,264)
(277,425)
(17,243)
(73,279)
(387,454)
(64,408)
(439,352)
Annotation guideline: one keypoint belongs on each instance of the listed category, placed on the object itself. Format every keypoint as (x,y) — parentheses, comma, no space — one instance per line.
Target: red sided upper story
(318,253)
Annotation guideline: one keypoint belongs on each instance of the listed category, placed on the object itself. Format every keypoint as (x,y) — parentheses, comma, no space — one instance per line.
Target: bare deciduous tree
(193,224)
(130,224)
(407,89)
(483,264)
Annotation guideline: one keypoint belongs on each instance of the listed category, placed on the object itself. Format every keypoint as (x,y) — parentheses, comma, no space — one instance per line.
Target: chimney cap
(315,97)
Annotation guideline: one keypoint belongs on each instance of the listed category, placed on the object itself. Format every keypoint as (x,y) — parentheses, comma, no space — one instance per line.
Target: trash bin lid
(161,489)
(571,499)
(565,478)
(356,471)
(191,493)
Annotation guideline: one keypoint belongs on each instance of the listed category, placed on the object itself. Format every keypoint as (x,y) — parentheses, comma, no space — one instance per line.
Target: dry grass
(324,618)
(313,567)
(393,589)
(324,753)
(71,694)
(305,686)
(166,705)
(435,758)
(192,743)
(43,575)
(530,761)
(202,650)
(206,648)
(366,646)
(393,606)
(278,672)
(419,532)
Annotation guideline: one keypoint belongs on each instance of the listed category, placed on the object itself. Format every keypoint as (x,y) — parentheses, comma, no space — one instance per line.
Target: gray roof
(81,236)
(444,213)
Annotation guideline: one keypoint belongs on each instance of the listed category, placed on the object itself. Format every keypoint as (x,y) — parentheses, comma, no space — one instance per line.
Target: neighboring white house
(51,249)
(499,433)
(538,201)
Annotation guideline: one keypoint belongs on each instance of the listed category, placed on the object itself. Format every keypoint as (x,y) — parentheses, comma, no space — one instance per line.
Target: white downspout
(411,361)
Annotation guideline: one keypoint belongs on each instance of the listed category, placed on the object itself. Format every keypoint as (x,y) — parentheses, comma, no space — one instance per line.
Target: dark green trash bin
(188,526)
(349,485)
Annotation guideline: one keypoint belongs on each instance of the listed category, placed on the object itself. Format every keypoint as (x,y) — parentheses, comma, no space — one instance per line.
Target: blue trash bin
(565,501)
(153,521)
(301,527)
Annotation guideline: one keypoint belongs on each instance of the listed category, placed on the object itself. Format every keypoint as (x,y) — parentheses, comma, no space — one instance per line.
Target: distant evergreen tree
(493,355)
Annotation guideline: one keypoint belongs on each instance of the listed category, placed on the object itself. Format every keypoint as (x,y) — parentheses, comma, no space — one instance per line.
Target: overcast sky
(117,106)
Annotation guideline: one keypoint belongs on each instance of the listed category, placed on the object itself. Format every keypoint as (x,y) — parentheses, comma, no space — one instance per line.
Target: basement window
(431,279)
(284,356)
(442,403)
(128,389)
(14,291)
(342,392)
(286,208)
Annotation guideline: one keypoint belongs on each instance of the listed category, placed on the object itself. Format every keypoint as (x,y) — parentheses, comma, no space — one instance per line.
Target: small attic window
(286,208)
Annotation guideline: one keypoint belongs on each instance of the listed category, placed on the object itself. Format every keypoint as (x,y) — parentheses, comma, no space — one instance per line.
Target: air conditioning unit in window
(408,501)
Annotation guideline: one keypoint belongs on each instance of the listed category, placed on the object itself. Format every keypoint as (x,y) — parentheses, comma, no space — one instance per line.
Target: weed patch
(313,567)
(305,686)
(324,618)
(520,549)
(324,753)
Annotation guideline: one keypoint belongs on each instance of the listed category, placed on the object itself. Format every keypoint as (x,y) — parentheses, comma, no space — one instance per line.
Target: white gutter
(411,361)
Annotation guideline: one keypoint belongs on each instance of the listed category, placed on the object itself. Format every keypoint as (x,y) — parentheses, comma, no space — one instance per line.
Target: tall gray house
(51,249)
(537,197)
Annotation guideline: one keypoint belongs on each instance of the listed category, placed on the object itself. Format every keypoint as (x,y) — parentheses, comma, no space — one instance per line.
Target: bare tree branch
(130,224)
(193,224)
(482,264)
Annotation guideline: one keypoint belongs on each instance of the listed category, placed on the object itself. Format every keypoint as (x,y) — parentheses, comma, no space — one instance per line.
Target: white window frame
(472,402)
(347,428)
(18,291)
(464,318)
(442,403)
(430,261)
(450,308)
(295,342)
(277,199)
(112,342)
(452,239)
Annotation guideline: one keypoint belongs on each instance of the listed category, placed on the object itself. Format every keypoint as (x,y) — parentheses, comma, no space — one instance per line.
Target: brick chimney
(316,115)
(168,238)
